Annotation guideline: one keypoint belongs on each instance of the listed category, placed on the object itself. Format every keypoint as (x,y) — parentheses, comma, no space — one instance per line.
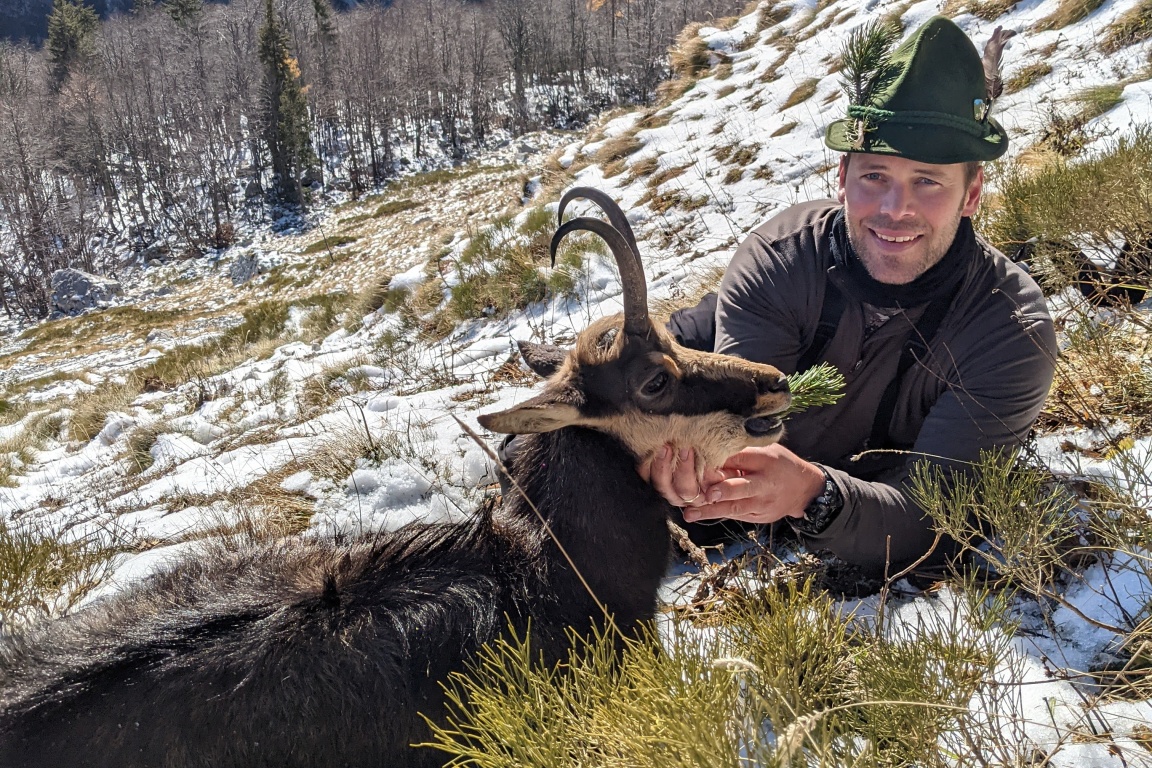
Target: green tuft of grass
(1096,101)
(538,220)
(782,678)
(1034,518)
(501,267)
(258,334)
(445,175)
(395,206)
(329,243)
(1065,207)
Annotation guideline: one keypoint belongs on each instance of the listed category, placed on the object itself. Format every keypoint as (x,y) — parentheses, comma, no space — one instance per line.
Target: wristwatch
(822,510)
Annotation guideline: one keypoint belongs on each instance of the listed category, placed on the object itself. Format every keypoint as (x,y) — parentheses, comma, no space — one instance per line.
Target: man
(946,345)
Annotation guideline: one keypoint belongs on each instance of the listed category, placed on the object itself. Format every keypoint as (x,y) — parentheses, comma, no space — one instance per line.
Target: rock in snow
(74,291)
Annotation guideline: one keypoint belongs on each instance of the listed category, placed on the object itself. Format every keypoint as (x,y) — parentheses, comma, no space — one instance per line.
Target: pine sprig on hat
(866,60)
(866,63)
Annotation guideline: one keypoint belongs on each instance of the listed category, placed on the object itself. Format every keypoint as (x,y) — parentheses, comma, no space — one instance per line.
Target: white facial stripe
(714,436)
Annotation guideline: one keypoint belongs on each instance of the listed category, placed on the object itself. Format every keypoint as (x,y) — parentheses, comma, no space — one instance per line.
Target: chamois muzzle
(763,427)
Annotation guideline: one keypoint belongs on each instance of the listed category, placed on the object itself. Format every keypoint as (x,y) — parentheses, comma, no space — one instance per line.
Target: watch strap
(822,510)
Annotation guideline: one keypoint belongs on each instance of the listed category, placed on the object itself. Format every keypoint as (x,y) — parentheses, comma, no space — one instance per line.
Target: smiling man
(946,345)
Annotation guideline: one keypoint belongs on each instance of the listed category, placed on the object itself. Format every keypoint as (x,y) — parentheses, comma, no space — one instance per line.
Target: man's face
(902,214)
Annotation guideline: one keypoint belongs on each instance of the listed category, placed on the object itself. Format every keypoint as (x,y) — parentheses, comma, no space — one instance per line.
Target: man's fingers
(684,483)
(660,471)
(748,460)
(732,489)
(644,469)
(723,509)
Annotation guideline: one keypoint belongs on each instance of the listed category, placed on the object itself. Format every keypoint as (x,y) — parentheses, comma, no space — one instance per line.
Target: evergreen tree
(325,24)
(71,28)
(285,109)
(185,13)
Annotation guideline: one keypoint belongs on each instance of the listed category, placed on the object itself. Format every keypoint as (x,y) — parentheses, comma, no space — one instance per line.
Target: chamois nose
(771,385)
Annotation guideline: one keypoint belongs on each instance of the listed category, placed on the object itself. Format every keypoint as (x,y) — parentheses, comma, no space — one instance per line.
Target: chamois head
(628,377)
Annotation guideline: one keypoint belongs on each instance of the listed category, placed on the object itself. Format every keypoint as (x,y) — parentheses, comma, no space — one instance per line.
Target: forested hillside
(155,134)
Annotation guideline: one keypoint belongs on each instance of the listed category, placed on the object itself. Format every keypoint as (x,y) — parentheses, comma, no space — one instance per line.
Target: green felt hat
(928,100)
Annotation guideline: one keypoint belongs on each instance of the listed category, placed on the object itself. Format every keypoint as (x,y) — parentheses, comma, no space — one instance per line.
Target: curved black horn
(631,273)
(606,204)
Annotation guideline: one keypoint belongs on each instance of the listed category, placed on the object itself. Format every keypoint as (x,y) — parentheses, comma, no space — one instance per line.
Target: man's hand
(757,485)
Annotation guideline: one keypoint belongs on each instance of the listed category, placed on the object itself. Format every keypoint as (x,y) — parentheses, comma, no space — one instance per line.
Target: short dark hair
(971,168)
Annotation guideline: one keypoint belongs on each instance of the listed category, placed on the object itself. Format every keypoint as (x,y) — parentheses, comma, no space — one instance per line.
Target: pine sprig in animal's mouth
(817,386)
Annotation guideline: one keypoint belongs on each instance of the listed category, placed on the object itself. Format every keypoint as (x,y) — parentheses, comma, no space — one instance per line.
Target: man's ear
(546,412)
(972,195)
(544,359)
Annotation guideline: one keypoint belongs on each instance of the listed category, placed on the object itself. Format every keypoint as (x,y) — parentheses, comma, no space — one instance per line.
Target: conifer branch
(867,60)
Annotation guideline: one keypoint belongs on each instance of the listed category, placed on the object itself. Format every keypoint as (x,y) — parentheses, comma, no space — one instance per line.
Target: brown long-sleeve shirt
(980,386)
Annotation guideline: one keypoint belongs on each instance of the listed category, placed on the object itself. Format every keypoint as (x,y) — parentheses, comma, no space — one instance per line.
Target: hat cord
(873,115)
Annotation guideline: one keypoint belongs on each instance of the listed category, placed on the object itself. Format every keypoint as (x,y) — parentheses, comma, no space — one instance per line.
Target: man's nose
(897,201)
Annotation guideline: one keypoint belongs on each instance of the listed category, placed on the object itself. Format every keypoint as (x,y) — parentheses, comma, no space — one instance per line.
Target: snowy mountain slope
(355,429)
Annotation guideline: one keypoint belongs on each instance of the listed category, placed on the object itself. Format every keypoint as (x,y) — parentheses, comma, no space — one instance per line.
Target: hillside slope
(330,408)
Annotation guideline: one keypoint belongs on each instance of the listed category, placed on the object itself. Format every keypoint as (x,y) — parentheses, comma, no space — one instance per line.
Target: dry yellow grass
(804,91)
(1068,12)
(1132,27)
(988,10)
(613,153)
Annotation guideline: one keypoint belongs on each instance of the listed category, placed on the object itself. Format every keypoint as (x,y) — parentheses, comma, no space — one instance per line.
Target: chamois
(316,652)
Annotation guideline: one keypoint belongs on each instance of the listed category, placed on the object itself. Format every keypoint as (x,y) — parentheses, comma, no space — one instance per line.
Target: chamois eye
(657,383)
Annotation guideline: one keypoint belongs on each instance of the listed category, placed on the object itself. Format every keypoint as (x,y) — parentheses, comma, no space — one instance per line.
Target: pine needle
(817,386)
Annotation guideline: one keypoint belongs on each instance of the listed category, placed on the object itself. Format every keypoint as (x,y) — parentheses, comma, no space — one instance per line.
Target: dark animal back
(287,656)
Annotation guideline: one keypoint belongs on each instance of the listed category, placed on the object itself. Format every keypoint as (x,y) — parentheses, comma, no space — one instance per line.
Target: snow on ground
(731,156)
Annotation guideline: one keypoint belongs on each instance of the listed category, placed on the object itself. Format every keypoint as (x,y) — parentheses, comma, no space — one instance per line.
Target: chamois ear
(544,359)
(544,413)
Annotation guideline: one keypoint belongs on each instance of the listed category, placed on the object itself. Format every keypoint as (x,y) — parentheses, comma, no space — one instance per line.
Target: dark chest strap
(695,327)
(915,348)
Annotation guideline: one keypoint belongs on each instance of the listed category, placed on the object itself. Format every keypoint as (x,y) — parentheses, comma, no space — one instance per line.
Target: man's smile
(893,239)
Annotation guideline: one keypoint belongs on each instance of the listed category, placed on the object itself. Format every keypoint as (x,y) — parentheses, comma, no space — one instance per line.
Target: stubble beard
(903,268)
